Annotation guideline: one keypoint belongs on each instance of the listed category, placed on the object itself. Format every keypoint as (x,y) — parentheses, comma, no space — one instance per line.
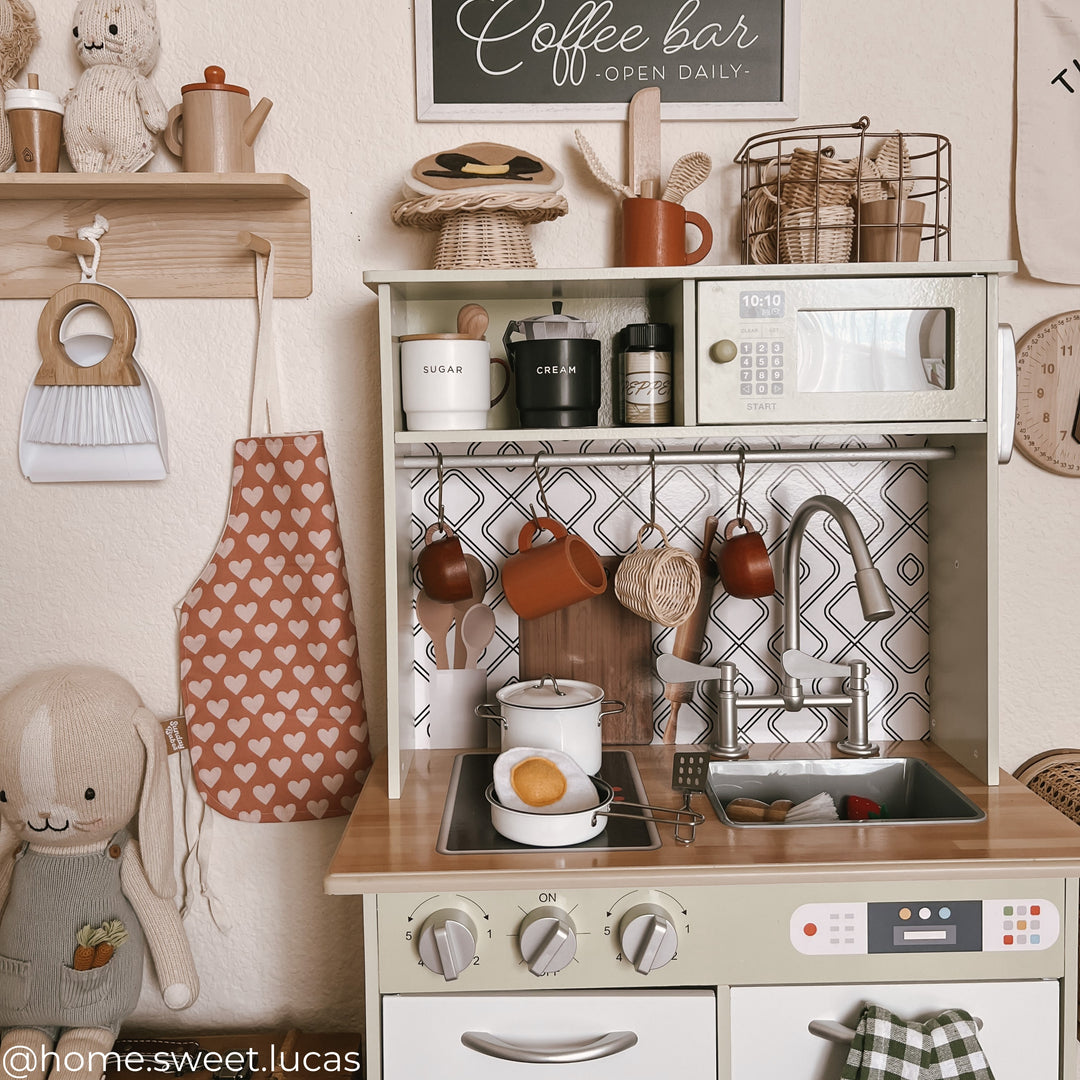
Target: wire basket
(806,190)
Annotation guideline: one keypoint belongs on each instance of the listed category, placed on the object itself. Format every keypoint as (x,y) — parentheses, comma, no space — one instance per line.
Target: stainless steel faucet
(796,664)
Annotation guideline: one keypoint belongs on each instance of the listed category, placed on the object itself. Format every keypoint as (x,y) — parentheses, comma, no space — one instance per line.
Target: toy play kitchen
(750,953)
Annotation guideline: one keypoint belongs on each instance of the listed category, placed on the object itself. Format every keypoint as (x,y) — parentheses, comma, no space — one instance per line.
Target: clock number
(1046,418)
(1040,392)
(1048,369)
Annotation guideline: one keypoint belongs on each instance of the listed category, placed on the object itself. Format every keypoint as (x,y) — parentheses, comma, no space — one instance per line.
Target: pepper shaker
(647,373)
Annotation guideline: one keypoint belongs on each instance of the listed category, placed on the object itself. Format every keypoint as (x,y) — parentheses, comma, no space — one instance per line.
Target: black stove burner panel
(466,822)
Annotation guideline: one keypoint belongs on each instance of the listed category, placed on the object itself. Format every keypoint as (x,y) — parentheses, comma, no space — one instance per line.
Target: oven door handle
(483,1042)
(834,1031)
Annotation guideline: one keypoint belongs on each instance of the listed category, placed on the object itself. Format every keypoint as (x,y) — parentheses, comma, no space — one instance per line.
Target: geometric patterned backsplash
(606,505)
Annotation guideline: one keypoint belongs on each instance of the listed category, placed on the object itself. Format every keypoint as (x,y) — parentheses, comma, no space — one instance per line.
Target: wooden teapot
(214,128)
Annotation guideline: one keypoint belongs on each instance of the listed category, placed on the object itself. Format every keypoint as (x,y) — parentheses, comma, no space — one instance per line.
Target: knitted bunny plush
(114,110)
(79,897)
(18,36)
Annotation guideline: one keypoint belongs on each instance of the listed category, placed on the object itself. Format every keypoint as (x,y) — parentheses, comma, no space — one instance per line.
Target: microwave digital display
(879,350)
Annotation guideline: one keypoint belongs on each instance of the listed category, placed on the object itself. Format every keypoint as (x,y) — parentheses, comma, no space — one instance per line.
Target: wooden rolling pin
(690,634)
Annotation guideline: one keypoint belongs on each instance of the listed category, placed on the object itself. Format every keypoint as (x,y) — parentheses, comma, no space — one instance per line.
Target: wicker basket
(659,584)
(817,180)
(823,235)
(761,220)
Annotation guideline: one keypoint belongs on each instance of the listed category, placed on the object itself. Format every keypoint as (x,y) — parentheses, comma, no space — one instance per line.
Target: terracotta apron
(269,674)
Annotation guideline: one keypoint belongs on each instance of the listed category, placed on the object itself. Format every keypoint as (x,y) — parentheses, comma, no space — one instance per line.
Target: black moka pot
(556,370)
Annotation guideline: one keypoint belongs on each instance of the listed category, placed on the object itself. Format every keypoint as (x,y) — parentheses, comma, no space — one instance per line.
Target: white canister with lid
(554,714)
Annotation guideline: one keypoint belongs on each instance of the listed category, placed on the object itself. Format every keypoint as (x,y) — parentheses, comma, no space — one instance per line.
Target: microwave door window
(871,351)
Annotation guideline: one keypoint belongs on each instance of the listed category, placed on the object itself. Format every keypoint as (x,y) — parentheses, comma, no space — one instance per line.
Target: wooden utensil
(690,634)
(435,619)
(477,630)
(689,172)
(478,583)
(472,321)
(601,642)
(643,142)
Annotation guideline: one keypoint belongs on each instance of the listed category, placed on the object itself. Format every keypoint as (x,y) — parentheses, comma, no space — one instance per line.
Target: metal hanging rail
(679,457)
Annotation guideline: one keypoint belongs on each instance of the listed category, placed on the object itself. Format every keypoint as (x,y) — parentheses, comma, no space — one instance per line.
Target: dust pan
(91,413)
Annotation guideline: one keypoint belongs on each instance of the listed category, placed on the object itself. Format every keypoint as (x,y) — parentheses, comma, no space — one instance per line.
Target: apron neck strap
(265,394)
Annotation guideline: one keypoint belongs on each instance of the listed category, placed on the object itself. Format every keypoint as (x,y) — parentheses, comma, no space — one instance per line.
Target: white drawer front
(675,1034)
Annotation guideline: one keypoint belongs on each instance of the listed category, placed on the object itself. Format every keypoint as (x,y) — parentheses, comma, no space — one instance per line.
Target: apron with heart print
(269,672)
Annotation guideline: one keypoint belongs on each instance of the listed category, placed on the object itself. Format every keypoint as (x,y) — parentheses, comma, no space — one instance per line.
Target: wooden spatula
(643,143)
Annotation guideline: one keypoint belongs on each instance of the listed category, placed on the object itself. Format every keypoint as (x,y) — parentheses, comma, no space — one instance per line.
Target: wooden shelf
(170,234)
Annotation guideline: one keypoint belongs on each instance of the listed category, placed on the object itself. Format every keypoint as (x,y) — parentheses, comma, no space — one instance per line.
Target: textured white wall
(91,572)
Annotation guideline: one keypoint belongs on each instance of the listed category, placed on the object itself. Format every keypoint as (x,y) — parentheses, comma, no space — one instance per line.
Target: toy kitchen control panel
(706,935)
(928,926)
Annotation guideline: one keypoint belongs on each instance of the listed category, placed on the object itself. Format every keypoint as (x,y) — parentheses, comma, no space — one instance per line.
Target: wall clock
(1048,394)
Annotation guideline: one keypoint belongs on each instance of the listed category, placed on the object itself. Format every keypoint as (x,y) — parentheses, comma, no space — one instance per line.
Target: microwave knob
(649,938)
(448,943)
(723,351)
(547,939)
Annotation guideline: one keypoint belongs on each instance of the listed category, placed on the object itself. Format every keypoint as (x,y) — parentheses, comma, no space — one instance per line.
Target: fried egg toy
(542,782)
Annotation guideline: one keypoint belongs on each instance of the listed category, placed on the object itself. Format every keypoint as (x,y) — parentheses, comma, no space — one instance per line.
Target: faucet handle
(800,665)
(673,669)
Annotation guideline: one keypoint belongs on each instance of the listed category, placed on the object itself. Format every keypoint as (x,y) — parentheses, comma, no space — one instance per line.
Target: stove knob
(548,940)
(649,938)
(448,943)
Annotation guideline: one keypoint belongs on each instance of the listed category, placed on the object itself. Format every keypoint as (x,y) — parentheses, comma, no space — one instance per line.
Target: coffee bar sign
(585,59)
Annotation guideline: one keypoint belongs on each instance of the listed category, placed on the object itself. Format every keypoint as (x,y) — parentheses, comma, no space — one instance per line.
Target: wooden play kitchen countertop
(389,845)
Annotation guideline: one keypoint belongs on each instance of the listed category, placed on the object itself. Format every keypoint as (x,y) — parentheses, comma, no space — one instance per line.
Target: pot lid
(215,80)
(550,693)
(555,325)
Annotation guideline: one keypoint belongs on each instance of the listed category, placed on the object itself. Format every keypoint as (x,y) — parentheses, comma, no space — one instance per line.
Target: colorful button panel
(834,929)
(1026,925)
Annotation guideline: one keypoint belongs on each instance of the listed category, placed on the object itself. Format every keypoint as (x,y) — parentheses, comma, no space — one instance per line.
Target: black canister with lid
(646,372)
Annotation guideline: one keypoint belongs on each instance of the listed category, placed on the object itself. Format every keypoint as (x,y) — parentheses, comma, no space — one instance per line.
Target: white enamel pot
(552,830)
(564,715)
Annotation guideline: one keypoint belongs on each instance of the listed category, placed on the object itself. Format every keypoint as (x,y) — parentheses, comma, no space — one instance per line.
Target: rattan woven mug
(659,584)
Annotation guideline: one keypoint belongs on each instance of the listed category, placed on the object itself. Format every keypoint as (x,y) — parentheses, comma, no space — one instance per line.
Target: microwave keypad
(761,368)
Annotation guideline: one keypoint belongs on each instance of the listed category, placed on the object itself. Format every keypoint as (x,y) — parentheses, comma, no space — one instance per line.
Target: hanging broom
(101,404)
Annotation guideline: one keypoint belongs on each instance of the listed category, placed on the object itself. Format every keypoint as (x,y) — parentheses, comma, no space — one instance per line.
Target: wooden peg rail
(170,234)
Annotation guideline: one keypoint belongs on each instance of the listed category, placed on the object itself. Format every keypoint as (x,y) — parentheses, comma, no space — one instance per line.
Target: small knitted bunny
(114,111)
(80,899)
(18,36)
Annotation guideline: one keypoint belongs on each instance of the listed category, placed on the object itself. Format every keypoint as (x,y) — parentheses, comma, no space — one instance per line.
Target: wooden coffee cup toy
(743,562)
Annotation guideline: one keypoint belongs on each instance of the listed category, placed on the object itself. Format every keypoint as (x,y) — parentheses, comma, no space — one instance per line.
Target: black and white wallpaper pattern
(608,504)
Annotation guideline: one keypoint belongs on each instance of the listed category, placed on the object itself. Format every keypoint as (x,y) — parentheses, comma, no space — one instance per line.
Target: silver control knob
(649,938)
(448,943)
(723,351)
(547,939)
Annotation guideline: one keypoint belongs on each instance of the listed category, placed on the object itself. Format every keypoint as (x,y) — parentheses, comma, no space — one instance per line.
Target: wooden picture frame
(552,60)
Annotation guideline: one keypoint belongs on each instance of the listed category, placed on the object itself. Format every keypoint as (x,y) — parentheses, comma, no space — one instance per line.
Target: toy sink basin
(912,791)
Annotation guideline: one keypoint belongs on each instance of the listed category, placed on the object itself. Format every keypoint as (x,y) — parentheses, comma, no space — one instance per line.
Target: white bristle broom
(91,413)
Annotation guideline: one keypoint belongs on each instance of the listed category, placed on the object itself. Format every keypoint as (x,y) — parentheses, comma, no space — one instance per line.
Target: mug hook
(540,486)
(740,502)
(439,473)
(652,488)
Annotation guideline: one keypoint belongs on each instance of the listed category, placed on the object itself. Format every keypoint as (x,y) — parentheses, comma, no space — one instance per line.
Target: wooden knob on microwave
(723,351)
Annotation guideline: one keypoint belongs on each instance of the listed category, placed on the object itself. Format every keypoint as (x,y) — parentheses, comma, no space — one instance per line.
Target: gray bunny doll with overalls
(79,896)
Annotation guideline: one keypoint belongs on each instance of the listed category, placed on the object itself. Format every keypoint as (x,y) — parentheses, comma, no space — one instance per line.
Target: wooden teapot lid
(215,80)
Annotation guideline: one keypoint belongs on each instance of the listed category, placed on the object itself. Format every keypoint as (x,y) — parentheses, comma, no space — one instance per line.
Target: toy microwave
(821,350)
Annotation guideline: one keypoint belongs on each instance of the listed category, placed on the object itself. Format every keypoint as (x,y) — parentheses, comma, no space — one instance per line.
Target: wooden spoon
(436,619)
(478,581)
(472,320)
(477,630)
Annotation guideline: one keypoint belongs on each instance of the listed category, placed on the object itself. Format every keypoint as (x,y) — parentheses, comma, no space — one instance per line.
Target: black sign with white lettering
(585,59)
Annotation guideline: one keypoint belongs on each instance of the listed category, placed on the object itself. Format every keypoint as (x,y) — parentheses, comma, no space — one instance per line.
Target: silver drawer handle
(834,1031)
(483,1042)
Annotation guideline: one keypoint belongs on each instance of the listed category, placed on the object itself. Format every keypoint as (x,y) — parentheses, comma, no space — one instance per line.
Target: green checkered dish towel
(888,1048)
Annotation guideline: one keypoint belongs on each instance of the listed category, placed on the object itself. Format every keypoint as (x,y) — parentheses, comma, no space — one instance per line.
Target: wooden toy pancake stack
(480,197)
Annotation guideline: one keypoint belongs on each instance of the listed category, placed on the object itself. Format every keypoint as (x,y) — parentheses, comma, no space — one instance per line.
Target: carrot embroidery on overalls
(96,944)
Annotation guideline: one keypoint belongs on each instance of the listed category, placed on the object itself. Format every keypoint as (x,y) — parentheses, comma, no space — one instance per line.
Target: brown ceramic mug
(743,562)
(444,572)
(654,233)
(540,580)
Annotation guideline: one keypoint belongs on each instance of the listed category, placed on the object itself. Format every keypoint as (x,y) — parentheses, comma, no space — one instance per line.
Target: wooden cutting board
(602,642)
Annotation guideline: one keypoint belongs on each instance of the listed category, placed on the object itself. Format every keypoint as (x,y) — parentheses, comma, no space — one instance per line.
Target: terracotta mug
(743,562)
(543,579)
(444,572)
(654,233)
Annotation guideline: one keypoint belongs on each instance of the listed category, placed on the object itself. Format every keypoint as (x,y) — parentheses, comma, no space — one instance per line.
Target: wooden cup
(654,233)
(743,563)
(443,569)
(540,580)
(35,139)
